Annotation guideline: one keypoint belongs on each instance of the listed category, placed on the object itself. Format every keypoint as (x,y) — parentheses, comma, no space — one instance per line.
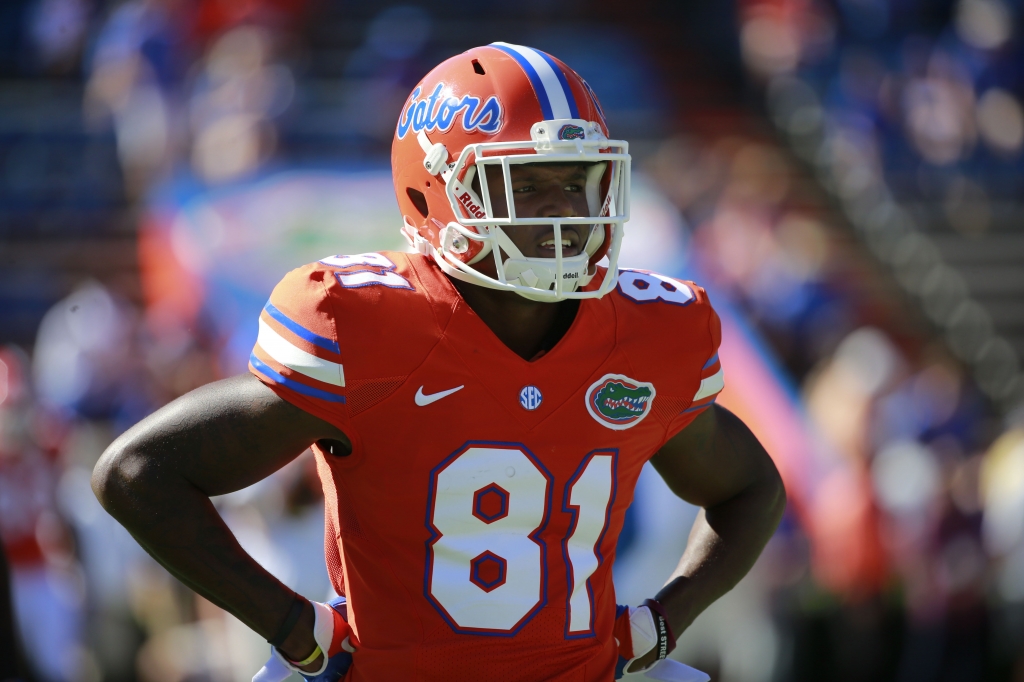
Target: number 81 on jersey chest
(488,506)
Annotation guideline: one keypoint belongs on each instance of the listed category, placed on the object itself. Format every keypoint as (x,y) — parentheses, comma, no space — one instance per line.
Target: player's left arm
(717,464)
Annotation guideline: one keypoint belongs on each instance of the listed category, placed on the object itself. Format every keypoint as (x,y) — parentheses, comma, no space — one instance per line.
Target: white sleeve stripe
(285,353)
(710,386)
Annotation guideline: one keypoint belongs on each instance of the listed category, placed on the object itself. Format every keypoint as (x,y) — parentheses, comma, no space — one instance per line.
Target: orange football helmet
(501,105)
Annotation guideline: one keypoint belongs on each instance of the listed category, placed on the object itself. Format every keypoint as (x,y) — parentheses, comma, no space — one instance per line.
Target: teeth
(551,242)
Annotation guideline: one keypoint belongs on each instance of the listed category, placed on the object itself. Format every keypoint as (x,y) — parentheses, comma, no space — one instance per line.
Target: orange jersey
(473,527)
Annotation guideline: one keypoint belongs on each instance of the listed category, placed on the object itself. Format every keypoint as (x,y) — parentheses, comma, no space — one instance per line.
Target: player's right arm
(158,477)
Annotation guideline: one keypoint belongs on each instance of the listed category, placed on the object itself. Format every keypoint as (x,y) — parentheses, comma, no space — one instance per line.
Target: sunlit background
(845,177)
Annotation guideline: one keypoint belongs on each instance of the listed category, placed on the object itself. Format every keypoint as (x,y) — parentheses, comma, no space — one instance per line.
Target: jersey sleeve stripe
(704,404)
(273,375)
(711,371)
(292,375)
(709,363)
(710,386)
(288,355)
(300,331)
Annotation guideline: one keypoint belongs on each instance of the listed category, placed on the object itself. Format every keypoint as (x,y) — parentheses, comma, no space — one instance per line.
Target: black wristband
(666,640)
(294,613)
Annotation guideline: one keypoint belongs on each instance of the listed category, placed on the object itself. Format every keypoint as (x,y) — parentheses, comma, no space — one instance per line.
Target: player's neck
(526,327)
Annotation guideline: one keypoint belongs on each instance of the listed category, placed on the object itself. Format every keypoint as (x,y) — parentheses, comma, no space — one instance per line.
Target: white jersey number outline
(488,504)
(588,497)
(648,287)
(366,269)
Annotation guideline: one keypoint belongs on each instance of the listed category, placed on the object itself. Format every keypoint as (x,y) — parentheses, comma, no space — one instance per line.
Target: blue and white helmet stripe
(549,82)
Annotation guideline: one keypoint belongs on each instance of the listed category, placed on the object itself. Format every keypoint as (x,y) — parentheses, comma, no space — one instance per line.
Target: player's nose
(557,204)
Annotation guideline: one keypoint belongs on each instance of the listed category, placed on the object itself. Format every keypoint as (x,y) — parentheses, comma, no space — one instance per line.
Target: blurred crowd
(923,100)
(199,82)
(912,114)
(933,590)
(91,605)
(938,82)
(908,102)
(191,86)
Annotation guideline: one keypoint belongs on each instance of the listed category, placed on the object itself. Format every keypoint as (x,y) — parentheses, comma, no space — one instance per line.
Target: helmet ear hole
(418,200)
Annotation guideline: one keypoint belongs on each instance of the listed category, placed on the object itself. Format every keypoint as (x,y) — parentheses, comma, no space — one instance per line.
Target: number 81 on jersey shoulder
(488,505)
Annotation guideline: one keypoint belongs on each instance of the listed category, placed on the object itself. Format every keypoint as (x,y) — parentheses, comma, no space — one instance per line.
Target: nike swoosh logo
(422,399)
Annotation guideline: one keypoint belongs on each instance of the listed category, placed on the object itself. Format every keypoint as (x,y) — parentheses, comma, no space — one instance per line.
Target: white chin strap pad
(541,273)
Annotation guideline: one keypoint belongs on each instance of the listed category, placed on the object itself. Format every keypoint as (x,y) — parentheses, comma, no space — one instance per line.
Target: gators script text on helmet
(501,105)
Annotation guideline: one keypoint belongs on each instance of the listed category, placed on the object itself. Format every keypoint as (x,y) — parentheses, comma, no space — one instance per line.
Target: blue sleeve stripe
(300,331)
(710,362)
(268,371)
(702,405)
(569,97)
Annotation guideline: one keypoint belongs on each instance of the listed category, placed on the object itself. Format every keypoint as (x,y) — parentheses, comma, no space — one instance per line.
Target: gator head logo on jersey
(618,402)
(571,132)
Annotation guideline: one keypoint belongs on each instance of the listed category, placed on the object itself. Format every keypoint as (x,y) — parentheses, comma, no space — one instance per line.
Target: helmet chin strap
(543,273)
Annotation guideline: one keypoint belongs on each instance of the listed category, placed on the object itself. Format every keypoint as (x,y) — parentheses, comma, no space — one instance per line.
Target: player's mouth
(570,243)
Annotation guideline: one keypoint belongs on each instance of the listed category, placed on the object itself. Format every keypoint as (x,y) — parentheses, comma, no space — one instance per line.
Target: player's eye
(524,189)
(573,187)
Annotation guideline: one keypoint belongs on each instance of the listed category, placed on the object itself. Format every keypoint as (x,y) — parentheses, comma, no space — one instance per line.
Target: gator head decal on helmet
(571,132)
(618,402)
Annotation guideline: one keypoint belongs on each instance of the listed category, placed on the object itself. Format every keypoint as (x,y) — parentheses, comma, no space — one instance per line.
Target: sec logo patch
(618,402)
(530,398)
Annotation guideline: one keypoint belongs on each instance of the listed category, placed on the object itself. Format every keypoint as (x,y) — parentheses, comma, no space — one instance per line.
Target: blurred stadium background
(844,176)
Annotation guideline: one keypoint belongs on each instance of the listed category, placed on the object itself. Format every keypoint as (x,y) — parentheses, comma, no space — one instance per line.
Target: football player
(480,410)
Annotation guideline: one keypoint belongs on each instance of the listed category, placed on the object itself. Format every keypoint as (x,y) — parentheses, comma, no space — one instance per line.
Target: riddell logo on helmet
(436,113)
(471,206)
(571,132)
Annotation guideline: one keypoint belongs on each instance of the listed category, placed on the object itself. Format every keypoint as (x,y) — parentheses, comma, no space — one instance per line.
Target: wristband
(309,659)
(294,613)
(666,640)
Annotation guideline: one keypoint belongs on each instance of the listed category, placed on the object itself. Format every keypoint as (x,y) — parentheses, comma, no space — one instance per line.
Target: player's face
(542,190)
